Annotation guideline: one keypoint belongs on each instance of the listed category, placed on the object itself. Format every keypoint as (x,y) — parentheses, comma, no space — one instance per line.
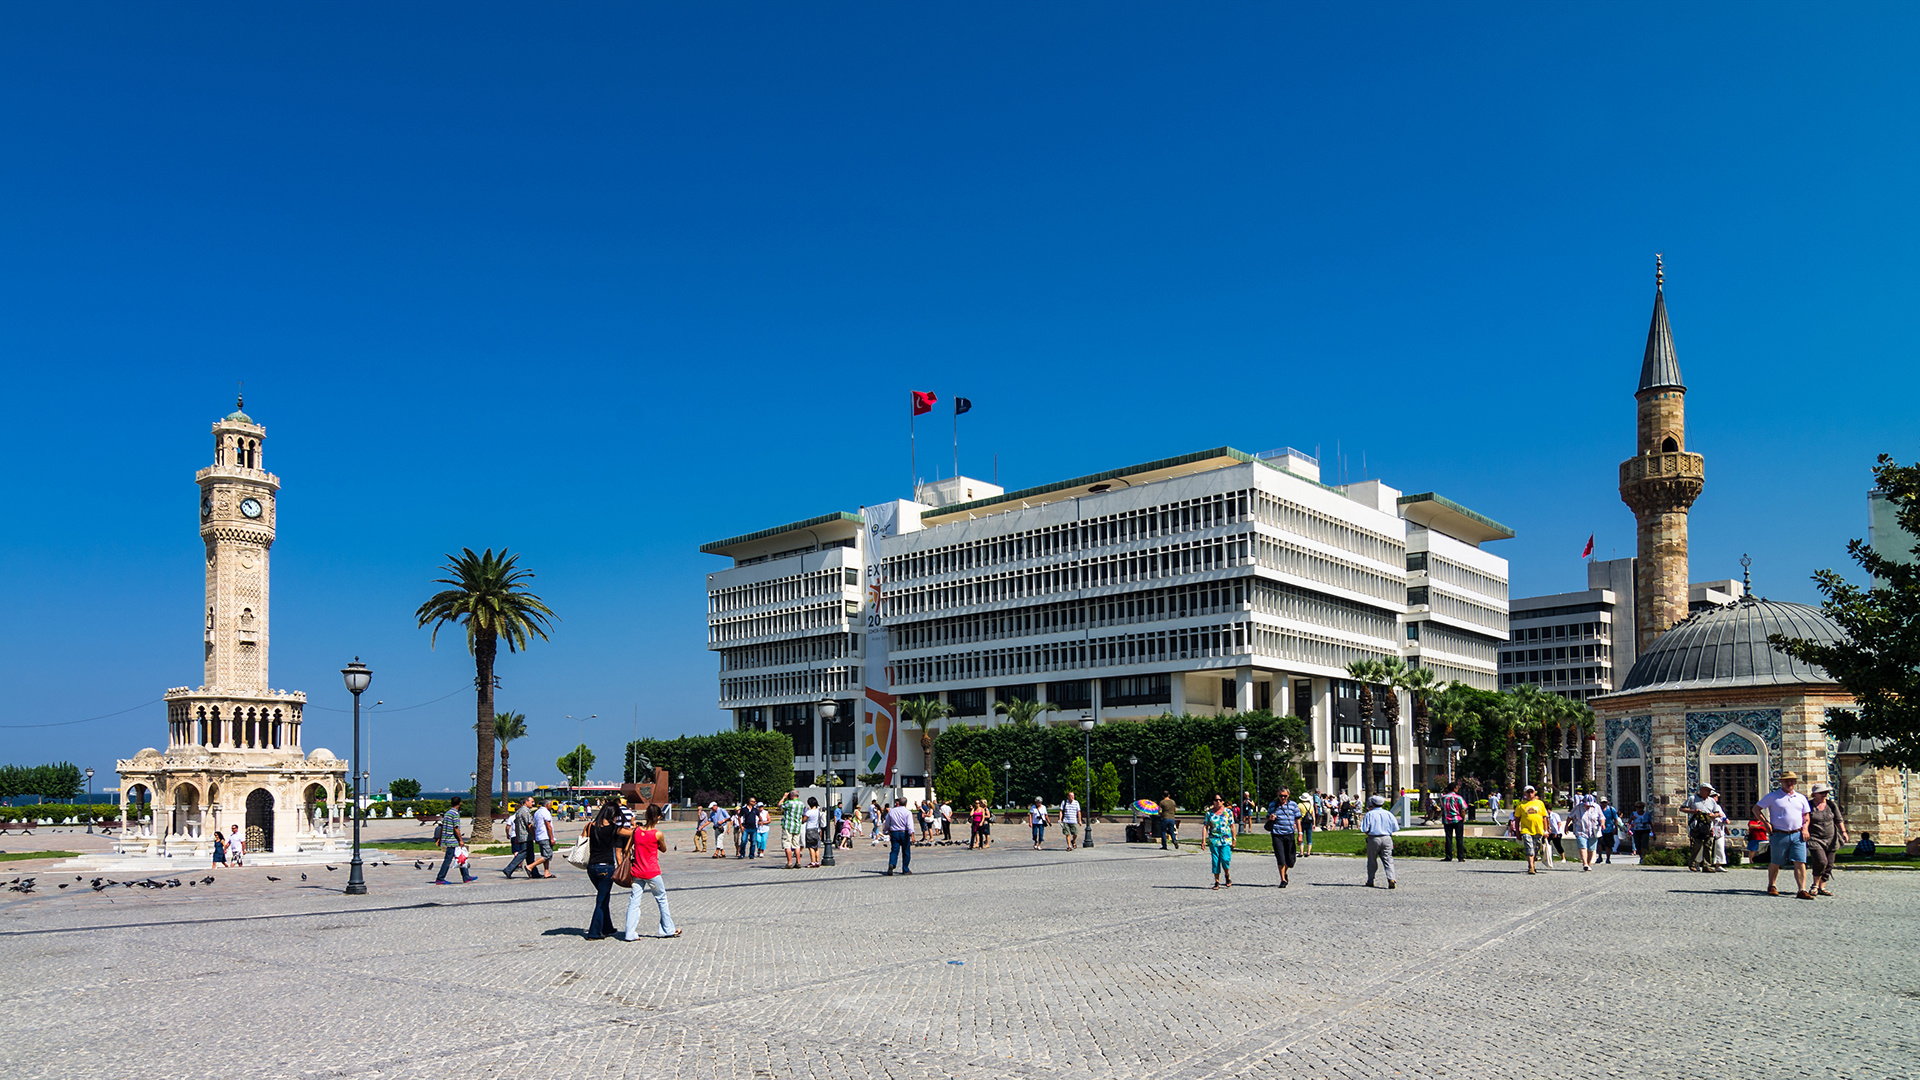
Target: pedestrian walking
(520,836)
(1826,831)
(450,841)
(219,848)
(1168,821)
(716,818)
(793,824)
(1379,824)
(1529,823)
(1283,824)
(1587,823)
(1037,820)
(899,822)
(1787,811)
(605,838)
(762,824)
(1702,809)
(812,826)
(237,844)
(1609,829)
(1070,820)
(1556,832)
(540,851)
(1453,824)
(648,842)
(1220,834)
(1642,822)
(700,826)
(1307,811)
(879,824)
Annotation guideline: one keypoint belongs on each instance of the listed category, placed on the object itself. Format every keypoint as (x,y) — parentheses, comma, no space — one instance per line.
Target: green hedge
(1429,847)
(52,812)
(715,762)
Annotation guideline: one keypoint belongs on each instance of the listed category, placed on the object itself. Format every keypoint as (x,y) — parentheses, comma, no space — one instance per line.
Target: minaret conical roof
(1660,368)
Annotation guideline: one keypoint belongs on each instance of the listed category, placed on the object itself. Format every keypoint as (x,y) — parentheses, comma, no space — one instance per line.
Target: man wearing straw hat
(1786,811)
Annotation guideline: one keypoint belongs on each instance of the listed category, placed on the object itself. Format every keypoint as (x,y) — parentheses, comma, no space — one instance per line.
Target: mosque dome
(1726,646)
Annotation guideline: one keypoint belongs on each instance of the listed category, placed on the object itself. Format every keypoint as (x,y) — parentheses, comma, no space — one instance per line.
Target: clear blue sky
(602,283)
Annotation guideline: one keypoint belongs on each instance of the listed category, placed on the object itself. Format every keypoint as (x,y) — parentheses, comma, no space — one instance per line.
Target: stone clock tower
(1660,482)
(233,744)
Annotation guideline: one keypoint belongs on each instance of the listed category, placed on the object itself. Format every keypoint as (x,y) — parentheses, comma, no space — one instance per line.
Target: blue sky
(602,283)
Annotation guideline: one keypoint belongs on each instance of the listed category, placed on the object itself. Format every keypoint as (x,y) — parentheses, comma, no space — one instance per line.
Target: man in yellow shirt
(1532,816)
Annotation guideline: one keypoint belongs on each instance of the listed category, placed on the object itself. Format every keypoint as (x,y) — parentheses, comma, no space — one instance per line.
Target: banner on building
(879,712)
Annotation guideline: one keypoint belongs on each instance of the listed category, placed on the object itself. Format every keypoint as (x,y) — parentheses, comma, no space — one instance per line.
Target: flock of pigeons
(26,885)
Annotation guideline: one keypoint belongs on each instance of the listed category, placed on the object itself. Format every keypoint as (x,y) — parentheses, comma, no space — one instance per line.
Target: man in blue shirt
(1379,824)
(1283,825)
(1609,828)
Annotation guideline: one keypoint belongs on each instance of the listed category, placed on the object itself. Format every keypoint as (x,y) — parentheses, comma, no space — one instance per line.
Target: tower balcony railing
(1678,465)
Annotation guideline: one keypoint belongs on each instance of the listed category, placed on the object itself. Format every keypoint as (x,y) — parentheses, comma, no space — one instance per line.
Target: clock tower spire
(236,524)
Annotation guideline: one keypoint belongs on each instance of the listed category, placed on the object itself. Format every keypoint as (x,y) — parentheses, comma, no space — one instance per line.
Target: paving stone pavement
(1113,962)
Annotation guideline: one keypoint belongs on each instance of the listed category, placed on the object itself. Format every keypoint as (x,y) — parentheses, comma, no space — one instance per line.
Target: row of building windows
(1182,603)
(1331,612)
(787,590)
(1289,558)
(1168,519)
(791,684)
(1566,630)
(1310,648)
(1188,558)
(1457,607)
(1437,636)
(1278,513)
(1461,577)
(1560,653)
(824,545)
(1191,643)
(798,651)
(791,621)
(1482,680)
(1557,675)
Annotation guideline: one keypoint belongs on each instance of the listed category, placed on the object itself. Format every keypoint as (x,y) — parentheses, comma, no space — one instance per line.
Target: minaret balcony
(1662,466)
(1662,482)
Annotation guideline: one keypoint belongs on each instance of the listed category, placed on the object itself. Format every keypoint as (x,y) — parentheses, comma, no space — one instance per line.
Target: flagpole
(913,452)
(956,437)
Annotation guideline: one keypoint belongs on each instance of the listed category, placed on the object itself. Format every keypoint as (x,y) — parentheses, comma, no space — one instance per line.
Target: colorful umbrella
(1146,806)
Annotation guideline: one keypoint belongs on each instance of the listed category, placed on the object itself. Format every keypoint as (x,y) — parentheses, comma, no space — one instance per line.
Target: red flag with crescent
(923,402)
(1589,550)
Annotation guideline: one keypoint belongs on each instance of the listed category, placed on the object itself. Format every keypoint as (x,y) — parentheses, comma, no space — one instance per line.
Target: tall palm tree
(1366,673)
(1390,671)
(1532,709)
(1420,684)
(1509,720)
(923,713)
(1450,711)
(507,726)
(1023,713)
(489,598)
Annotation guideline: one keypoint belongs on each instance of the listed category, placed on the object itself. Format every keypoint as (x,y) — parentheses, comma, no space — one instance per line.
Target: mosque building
(1708,699)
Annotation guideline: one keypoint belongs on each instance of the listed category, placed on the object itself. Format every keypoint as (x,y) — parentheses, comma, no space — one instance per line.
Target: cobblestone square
(1112,962)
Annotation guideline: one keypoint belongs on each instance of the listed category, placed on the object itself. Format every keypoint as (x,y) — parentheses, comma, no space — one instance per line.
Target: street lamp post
(1240,736)
(743,786)
(89,801)
(828,709)
(1086,808)
(1007,767)
(683,787)
(1257,755)
(1134,761)
(357,677)
(578,779)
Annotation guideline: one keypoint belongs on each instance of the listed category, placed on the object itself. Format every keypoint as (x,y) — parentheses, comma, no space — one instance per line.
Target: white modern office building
(1580,644)
(1211,582)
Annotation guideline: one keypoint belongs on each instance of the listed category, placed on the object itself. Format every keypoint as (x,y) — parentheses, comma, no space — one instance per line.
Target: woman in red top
(1756,835)
(648,843)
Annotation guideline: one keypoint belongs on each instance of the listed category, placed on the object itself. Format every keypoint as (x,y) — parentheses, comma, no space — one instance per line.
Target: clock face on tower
(206,506)
(250,507)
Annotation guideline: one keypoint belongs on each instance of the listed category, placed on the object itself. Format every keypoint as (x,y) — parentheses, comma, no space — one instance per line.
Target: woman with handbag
(604,838)
(643,872)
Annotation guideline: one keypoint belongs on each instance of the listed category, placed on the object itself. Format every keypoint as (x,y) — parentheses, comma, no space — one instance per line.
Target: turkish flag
(1589,550)
(923,402)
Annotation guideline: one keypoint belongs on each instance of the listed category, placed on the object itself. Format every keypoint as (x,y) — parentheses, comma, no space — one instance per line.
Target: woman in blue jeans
(605,837)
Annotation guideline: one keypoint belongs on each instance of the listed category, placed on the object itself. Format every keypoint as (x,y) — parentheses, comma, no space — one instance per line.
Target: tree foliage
(1879,662)
(576,764)
(713,763)
(1200,782)
(1106,787)
(955,783)
(60,780)
(404,788)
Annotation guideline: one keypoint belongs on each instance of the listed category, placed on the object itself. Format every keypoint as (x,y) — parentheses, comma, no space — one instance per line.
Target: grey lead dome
(1727,646)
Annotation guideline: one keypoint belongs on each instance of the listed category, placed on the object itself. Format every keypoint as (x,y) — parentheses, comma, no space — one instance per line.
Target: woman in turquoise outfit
(1220,840)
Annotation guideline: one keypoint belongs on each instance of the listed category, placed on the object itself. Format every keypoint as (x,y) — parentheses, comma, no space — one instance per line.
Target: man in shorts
(1531,816)
(793,827)
(1786,811)
(540,858)
(1070,820)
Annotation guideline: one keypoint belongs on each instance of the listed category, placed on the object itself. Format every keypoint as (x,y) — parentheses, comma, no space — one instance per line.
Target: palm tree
(489,597)
(1451,711)
(1532,709)
(923,713)
(1510,720)
(507,726)
(1366,673)
(1390,671)
(1022,713)
(1420,684)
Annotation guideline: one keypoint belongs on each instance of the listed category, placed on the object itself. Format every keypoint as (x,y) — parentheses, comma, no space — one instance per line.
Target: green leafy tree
(1074,778)
(1876,662)
(983,786)
(713,763)
(1201,783)
(1227,776)
(404,788)
(507,726)
(575,764)
(923,713)
(956,783)
(1106,787)
(488,597)
(1022,713)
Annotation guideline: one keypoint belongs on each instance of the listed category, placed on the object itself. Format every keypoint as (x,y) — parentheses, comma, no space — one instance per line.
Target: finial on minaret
(1659,270)
(240,398)
(1746,574)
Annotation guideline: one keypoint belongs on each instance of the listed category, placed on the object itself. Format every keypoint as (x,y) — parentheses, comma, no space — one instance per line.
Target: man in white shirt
(1379,824)
(946,822)
(1070,820)
(541,865)
(236,846)
(1786,811)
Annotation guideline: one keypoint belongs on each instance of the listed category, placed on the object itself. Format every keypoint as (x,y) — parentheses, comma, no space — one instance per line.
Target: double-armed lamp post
(358,677)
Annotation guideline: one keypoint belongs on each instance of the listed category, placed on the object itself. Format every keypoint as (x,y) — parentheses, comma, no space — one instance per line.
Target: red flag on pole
(923,402)
(1589,549)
